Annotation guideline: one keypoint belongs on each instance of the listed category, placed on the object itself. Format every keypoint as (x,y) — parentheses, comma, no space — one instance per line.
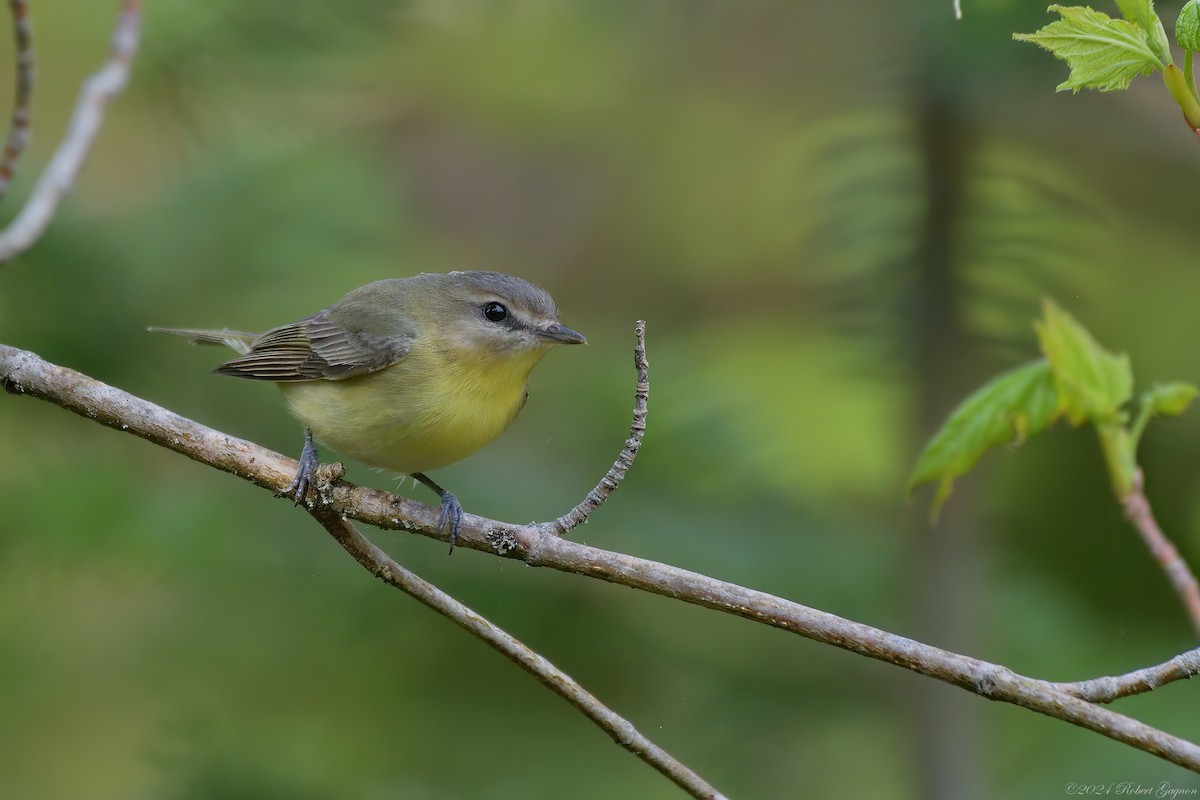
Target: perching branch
(1137,511)
(22,372)
(18,130)
(637,431)
(60,174)
(377,562)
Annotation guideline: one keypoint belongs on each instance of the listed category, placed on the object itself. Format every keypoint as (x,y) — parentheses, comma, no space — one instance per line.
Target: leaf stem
(1117,444)
(1188,73)
(1145,412)
(1184,93)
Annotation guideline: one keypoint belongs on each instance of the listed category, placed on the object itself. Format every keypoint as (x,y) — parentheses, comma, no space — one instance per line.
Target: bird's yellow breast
(428,410)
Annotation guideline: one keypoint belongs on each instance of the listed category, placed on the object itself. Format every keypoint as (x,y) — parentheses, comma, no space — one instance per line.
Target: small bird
(408,374)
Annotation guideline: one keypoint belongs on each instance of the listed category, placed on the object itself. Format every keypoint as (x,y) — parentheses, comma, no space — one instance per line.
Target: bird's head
(499,317)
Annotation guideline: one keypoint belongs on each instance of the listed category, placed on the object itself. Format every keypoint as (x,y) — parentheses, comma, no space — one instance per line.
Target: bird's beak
(561,334)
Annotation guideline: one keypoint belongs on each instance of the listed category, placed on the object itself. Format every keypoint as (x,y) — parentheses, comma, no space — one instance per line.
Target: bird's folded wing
(316,348)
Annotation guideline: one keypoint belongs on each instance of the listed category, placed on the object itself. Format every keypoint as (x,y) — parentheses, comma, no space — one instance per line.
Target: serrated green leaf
(1103,53)
(1141,13)
(1187,26)
(1169,399)
(1011,407)
(1092,383)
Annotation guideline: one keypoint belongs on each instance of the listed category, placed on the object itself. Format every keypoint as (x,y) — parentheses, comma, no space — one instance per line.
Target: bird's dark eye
(494,312)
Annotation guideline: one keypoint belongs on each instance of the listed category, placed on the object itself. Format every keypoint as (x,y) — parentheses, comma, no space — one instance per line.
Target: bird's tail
(238,341)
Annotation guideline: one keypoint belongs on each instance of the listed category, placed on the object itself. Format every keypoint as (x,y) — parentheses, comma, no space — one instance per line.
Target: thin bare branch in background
(1138,512)
(637,431)
(382,566)
(1114,687)
(22,372)
(18,130)
(60,174)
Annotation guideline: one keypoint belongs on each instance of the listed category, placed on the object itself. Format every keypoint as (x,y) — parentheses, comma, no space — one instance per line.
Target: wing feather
(316,348)
(238,341)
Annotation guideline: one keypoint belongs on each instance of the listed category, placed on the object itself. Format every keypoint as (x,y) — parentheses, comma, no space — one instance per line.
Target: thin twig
(637,431)
(22,372)
(1114,687)
(1137,511)
(379,564)
(60,174)
(18,131)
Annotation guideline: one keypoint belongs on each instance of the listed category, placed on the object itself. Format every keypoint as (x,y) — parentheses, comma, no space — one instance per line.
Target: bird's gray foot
(309,461)
(452,512)
(451,516)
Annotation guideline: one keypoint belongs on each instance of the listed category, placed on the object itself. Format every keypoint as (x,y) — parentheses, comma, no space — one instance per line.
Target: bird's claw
(451,516)
(309,461)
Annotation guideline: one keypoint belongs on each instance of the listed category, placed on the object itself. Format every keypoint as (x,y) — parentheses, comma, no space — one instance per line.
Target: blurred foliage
(753,178)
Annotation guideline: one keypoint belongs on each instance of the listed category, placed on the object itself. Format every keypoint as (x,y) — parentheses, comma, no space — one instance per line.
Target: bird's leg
(452,512)
(309,461)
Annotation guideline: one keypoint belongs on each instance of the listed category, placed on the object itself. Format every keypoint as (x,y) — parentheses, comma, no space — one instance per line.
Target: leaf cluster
(1077,380)
(1105,53)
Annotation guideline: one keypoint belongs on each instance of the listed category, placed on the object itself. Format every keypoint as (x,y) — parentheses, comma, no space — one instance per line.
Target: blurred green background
(837,219)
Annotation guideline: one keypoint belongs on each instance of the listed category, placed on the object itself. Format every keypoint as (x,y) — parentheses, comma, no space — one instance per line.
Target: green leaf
(1187,26)
(1103,53)
(1141,13)
(1169,399)
(1009,408)
(1092,383)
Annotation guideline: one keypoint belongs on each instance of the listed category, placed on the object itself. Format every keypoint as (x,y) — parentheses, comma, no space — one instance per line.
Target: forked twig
(637,431)
(18,131)
(22,372)
(1114,687)
(60,174)
(382,566)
